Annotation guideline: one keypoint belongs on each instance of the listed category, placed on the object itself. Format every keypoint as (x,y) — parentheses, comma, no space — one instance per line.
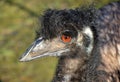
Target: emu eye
(66,37)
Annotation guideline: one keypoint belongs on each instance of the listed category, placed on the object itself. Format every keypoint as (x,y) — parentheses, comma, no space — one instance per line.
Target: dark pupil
(66,37)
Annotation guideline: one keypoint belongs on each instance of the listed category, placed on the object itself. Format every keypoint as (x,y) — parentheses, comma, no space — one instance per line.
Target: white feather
(87,30)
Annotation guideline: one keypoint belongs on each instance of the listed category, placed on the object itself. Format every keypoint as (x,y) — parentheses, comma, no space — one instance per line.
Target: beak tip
(25,58)
(21,60)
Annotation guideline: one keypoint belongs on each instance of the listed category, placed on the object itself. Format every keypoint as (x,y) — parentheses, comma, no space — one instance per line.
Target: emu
(86,40)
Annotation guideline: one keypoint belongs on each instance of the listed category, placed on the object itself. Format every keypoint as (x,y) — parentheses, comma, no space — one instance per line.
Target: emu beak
(32,51)
(41,48)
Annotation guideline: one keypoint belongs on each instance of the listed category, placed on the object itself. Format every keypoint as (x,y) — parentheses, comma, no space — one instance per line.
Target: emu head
(63,32)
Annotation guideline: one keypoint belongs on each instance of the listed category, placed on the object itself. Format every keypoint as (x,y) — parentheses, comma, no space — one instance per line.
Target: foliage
(18,22)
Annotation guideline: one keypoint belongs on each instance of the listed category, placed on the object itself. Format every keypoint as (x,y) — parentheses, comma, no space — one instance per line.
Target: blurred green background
(18,22)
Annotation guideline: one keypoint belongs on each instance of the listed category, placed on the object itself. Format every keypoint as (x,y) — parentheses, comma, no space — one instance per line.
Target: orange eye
(66,38)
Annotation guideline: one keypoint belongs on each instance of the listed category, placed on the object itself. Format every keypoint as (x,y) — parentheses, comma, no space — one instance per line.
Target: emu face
(62,32)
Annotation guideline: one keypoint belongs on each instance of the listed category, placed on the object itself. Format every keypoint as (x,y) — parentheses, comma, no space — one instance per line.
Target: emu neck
(69,67)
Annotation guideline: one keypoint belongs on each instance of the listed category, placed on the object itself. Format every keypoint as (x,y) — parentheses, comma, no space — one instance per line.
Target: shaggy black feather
(55,21)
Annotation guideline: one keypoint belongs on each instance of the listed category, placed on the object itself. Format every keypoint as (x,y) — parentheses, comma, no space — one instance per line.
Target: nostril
(38,40)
